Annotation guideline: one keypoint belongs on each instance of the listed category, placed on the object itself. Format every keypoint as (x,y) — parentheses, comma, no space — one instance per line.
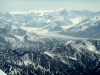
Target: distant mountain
(86,28)
(78,23)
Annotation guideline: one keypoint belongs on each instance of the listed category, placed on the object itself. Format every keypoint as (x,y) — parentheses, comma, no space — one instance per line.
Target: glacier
(50,42)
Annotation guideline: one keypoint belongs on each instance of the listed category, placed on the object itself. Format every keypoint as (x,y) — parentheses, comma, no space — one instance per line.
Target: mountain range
(51,42)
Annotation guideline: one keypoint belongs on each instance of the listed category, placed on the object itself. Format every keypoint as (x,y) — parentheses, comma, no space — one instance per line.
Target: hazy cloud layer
(9,5)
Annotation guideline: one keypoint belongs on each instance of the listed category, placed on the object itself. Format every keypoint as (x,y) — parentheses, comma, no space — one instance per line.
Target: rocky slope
(80,57)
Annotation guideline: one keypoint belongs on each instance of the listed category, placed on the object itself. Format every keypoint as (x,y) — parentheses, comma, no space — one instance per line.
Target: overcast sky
(25,5)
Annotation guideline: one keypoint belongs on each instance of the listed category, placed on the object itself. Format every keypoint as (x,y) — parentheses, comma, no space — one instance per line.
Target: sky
(26,5)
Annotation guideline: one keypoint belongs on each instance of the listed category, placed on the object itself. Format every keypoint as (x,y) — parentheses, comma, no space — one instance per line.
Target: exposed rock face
(67,59)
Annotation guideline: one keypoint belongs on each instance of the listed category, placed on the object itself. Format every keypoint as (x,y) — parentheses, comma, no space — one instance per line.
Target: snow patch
(49,54)
(14,27)
(83,44)
(67,27)
(11,40)
(19,37)
(35,30)
(76,20)
(73,58)
(2,73)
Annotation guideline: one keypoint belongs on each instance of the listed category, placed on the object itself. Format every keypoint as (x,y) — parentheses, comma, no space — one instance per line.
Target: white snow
(48,20)
(76,20)
(18,12)
(49,54)
(23,24)
(73,58)
(90,46)
(84,44)
(2,73)
(14,27)
(16,22)
(35,30)
(69,42)
(45,33)
(19,37)
(85,25)
(67,27)
(11,40)
(26,62)
(41,12)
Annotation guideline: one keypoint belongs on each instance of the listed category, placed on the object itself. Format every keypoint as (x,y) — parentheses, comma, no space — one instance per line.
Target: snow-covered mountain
(75,57)
(53,42)
(80,23)
(86,28)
